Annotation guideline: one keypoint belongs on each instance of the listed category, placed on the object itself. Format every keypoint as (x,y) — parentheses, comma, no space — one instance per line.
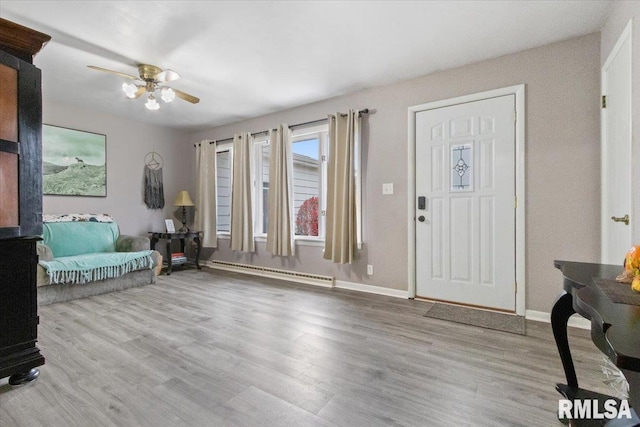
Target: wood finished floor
(212,348)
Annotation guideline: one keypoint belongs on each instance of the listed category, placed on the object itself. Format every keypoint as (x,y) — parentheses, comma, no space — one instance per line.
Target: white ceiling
(246,59)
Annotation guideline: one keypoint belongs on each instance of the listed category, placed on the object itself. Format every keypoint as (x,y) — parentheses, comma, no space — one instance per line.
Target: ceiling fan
(150,80)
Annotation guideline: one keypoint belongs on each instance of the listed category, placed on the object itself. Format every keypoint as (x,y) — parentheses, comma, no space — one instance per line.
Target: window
(223,189)
(308,148)
(308,184)
(309,151)
(261,193)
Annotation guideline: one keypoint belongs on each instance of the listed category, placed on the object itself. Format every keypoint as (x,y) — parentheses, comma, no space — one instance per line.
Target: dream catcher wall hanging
(153,187)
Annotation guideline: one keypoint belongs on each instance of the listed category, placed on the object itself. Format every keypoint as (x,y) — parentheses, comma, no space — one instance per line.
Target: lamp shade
(168,94)
(183,199)
(129,90)
(151,103)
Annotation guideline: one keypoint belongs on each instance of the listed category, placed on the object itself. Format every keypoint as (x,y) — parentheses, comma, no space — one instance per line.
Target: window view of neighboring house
(261,201)
(309,148)
(223,190)
(307,177)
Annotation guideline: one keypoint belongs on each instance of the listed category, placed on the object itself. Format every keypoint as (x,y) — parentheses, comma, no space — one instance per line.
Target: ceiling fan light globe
(167,94)
(129,90)
(151,103)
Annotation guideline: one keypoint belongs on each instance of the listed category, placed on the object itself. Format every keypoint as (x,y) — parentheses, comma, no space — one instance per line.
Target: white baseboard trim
(305,278)
(397,293)
(273,273)
(575,321)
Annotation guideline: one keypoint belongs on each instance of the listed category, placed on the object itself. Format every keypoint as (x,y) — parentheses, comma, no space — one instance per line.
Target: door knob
(421,218)
(624,219)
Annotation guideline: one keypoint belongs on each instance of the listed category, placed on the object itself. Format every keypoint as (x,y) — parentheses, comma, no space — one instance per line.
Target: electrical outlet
(387,188)
(370,270)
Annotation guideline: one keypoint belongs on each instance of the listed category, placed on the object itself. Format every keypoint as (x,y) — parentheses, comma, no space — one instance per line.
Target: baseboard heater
(274,273)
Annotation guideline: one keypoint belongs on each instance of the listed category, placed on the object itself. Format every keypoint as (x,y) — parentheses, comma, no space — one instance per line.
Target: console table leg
(198,246)
(25,377)
(169,257)
(560,314)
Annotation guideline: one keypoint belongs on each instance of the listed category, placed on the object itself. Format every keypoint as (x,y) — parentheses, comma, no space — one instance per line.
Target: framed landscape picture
(73,162)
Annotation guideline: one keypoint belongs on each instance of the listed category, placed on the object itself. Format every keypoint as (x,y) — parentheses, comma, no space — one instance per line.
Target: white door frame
(604,213)
(519,92)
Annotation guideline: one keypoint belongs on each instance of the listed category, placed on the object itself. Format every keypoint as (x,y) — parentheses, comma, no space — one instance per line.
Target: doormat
(475,317)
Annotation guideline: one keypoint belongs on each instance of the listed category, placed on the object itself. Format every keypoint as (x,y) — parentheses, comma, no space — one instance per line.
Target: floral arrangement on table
(631,272)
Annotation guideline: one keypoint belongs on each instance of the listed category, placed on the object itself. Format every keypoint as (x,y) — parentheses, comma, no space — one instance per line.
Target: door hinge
(515,202)
(323,213)
(604,101)
(515,117)
(516,283)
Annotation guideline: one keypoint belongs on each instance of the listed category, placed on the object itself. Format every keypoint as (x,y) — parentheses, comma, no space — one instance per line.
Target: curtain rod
(298,125)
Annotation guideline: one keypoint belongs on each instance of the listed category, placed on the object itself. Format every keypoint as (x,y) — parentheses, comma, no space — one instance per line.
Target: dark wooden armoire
(20,200)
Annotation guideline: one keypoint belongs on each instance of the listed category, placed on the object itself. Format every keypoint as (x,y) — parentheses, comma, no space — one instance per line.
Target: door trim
(624,36)
(519,92)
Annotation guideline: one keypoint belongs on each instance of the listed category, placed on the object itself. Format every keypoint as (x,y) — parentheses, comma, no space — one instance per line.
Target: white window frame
(221,148)
(321,133)
(258,184)
(357,172)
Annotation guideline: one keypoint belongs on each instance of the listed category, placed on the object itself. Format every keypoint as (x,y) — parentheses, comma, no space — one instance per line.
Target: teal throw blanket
(80,269)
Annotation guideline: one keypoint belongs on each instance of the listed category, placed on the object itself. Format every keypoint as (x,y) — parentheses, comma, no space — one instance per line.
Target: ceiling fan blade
(190,98)
(166,76)
(129,76)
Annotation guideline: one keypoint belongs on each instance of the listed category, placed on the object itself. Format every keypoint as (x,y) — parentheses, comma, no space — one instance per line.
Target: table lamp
(183,200)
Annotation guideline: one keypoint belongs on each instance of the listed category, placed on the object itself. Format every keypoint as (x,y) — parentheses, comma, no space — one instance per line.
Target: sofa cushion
(76,238)
(132,243)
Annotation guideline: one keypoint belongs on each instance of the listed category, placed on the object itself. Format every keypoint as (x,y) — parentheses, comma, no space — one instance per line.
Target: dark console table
(615,327)
(169,237)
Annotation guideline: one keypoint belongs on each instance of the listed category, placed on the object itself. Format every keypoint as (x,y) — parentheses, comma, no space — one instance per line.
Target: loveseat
(82,255)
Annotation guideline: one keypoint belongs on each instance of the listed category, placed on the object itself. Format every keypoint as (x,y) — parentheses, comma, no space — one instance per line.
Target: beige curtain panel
(242,185)
(341,223)
(205,216)
(280,216)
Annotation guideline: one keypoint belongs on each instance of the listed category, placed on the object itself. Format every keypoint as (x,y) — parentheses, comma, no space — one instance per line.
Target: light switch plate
(387,188)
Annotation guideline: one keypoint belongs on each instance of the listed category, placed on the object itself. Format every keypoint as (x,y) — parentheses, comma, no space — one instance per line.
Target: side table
(615,330)
(182,236)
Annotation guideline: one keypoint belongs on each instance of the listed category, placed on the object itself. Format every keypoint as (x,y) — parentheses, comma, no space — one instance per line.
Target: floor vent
(275,273)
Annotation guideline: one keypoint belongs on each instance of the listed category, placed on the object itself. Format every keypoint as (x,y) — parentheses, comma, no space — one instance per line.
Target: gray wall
(562,163)
(622,12)
(127,144)
(562,157)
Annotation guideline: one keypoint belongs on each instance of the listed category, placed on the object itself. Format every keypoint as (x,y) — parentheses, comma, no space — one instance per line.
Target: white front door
(465,203)
(616,152)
